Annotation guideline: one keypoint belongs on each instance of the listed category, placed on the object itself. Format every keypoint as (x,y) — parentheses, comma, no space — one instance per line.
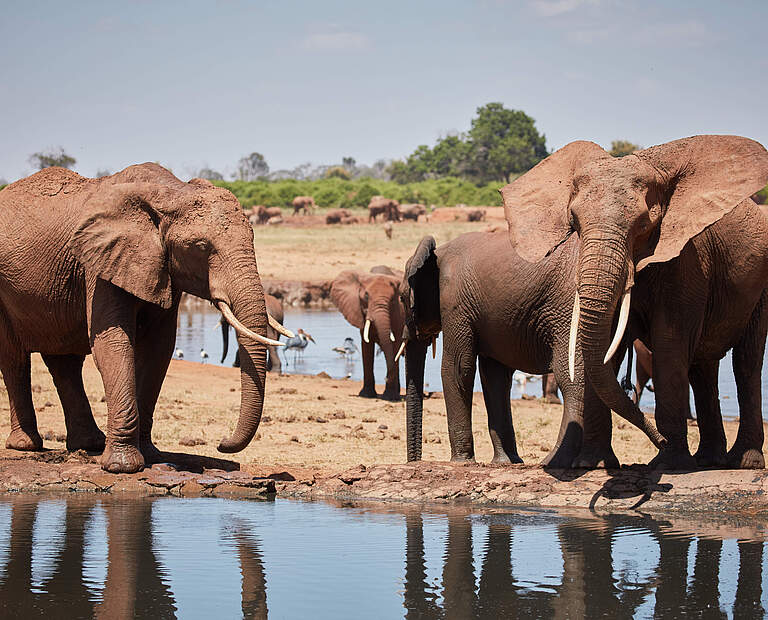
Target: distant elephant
(335,216)
(674,225)
(370,302)
(412,211)
(304,204)
(275,312)
(476,215)
(262,214)
(103,273)
(508,315)
(387,207)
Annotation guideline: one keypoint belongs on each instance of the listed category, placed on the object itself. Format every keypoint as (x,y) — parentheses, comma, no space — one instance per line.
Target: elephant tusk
(623,316)
(242,329)
(273,323)
(366,330)
(572,337)
(400,351)
(434,347)
(391,336)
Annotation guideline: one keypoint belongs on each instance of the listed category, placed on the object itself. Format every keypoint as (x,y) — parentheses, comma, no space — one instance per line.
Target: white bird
(203,355)
(348,349)
(179,353)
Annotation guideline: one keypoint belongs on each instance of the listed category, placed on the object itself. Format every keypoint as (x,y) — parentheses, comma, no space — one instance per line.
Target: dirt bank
(318,439)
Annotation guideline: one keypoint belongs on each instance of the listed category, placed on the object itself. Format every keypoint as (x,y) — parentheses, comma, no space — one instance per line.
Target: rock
(321,420)
(339,415)
(368,419)
(323,375)
(295,439)
(383,427)
(192,441)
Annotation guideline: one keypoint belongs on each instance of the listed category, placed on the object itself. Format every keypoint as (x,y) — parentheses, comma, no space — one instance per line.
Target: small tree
(52,157)
(620,148)
(337,172)
(211,175)
(251,167)
(103,172)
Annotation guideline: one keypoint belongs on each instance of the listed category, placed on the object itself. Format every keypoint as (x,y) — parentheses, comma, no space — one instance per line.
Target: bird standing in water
(348,349)
(203,355)
(298,343)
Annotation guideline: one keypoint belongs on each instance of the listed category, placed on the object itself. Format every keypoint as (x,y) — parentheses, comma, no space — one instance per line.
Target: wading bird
(179,353)
(204,355)
(298,343)
(348,349)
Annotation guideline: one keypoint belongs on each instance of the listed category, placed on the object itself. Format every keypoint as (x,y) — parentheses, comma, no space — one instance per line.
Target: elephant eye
(202,245)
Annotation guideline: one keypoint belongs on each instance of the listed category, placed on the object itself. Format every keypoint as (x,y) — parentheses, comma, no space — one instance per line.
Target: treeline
(337,192)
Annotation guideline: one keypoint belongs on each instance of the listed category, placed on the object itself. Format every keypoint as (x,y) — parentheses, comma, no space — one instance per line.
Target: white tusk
(391,336)
(242,329)
(572,337)
(434,347)
(273,323)
(366,330)
(400,351)
(623,316)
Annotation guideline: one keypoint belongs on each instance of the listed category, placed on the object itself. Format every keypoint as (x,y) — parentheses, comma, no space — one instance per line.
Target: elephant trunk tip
(230,445)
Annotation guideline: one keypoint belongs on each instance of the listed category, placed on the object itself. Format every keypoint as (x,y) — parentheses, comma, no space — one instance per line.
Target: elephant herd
(663,246)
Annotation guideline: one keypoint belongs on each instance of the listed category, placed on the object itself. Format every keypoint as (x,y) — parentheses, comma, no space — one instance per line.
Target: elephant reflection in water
(134,587)
(590,585)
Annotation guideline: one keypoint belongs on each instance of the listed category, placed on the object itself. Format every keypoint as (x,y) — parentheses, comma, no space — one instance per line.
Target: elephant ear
(118,239)
(346,290)
(704,178)
(422,290)
(536,203)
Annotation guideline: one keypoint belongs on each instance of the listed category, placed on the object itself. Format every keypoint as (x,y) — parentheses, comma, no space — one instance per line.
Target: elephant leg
(16,371)
(711,450)
(273,361)
(747,450)
(154,350)
(641,379)
(549,389)
(112,323)
(670,376)
(369,387)
(458,374)
(596,450)
(496,380)
(82,431)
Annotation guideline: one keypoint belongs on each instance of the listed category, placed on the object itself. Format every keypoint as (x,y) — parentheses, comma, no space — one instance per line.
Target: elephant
(674,224)
(412,211)
(262,214)
(335,216)
(303,204)
(275,312)
(370,302)
(506,315)
(387,207)
(643,368)
(476,215)
(103,273)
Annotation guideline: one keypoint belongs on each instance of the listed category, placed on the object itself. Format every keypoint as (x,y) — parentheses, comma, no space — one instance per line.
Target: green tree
(620,148)
(503,142)
(337,172)
(252,167)
(52,157)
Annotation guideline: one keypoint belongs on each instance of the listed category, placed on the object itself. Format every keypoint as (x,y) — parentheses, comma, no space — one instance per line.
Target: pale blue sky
(194,84)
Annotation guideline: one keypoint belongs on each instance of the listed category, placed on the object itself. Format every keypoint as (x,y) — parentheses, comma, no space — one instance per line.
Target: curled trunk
(415,354)
(247,298)
(602,280)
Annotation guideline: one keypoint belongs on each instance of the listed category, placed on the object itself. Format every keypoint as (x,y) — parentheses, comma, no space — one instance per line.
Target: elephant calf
(509,314)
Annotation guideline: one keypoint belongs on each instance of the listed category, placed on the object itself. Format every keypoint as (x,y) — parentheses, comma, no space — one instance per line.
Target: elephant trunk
(415,354)
(248,305)
(383,325)
(602,278)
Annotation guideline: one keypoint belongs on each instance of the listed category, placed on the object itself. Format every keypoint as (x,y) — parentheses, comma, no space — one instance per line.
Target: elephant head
(629,212)
(370,302)
(420,296)
(154,236)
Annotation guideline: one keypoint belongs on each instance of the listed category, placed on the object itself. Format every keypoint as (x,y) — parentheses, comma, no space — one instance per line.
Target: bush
(761,197)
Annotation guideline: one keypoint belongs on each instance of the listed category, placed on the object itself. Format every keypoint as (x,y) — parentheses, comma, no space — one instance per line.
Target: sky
(198,84)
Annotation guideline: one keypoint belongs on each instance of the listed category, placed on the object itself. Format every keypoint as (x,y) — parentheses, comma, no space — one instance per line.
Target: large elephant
(303,204)
(370,302)
(388,207)
(275,315)
(675,224)
(102,272)
(262,214)
(412,211)
(507,315)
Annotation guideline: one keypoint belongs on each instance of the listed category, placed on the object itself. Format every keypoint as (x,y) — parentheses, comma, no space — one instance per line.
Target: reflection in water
(195,558)
(197,324)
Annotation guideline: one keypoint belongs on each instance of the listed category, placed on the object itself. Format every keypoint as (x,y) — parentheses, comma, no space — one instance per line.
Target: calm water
(197,329)
(79,557)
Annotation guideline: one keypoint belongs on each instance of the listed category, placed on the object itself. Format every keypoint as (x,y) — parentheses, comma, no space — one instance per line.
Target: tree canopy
(500,142)
(620,148)
(252,167)
(52,157)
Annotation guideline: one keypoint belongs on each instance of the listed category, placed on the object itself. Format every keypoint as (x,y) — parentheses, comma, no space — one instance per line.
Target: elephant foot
(20,440)
(90,441)
(122,459)
(552,400)
(673,459)
(711,455)
(462,458)
(150,452)
(392,395)
(502,458)
(745,458)
(367,393)
(596,457)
